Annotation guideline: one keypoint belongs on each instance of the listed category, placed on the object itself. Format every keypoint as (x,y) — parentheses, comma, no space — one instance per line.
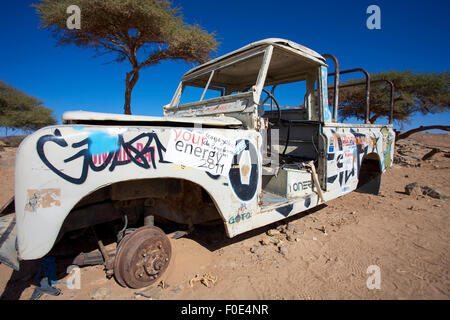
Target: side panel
(57,166)
(346,149)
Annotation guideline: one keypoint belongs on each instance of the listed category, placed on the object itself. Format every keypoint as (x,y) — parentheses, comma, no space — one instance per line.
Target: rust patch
(245,170)
(43,198)
(220,107)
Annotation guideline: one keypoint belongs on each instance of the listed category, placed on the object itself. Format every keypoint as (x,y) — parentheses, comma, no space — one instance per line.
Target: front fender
(57,166)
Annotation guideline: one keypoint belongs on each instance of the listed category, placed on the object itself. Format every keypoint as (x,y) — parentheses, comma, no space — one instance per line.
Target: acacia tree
(142,32)
(424,93)
(19,110)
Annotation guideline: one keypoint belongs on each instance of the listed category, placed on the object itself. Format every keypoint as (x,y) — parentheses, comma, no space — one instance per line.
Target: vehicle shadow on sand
(214,238)
(31,272)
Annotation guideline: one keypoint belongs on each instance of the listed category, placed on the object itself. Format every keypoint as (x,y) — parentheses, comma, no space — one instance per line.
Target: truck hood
(97,118)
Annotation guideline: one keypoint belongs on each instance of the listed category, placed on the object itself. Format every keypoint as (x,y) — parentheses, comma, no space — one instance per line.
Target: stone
(100,294)
(153,292)
(291,227)
(265,241)
(276,241)
(177,289)
(434,193)
(256,250)
(290,238)
(283,250)
(273,232)
(413,189)
(323,229)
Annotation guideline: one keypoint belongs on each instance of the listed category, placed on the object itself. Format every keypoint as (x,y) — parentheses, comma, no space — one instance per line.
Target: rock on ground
(413,189)
(100,294)
(434,193)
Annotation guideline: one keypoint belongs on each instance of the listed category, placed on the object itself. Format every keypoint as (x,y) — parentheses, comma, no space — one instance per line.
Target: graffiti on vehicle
(388,137)
(348,153)
(213,176)
(103,150)
(43,198)
(243,174)
(243,214)
(286,210)
(201,150)
(326,109)
(307,202)
(374,142)
(300,186)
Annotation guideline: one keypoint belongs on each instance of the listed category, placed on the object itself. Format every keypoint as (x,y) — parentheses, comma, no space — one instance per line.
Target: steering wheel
(269,95)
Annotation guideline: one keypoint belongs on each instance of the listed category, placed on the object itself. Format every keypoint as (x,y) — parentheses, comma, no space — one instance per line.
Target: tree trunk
(421,128)
(129,85)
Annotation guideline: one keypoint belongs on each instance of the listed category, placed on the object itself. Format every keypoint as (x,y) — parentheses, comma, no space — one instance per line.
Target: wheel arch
(369,175)
(112,195)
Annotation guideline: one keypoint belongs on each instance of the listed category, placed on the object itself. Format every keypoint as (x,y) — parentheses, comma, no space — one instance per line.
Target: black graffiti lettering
(332,179)
(213,176)
(208,155)
(349,174)
(133,154)
(298,186)
(59,140)
(339,160)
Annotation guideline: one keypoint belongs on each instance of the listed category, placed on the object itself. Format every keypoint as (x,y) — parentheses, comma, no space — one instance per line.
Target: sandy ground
(407,237)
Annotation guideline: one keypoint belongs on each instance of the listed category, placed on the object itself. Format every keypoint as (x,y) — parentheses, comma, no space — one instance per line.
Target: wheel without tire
(119,254)
(142,258)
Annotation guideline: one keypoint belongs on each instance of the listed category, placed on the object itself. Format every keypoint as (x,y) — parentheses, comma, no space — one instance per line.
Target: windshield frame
(266,51)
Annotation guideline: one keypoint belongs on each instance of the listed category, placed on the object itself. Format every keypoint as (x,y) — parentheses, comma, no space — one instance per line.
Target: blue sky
(414,36)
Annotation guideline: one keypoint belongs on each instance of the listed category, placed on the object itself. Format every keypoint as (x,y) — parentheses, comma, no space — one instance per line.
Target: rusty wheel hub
(142,257)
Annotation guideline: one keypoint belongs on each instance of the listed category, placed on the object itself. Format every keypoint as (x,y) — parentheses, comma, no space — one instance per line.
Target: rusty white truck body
(203,160)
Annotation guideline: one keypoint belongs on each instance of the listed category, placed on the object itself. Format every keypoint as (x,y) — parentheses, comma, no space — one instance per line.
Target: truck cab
(245,85)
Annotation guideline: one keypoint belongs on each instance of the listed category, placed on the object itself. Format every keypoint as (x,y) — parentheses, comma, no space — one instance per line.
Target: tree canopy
(424,93)
(19,110)
(142,32)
